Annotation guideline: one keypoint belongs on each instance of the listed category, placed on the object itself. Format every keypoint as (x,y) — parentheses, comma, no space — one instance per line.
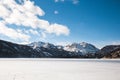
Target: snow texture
(59,69)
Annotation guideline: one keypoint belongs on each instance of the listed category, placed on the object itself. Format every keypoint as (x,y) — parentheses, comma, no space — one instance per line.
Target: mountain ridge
(42,50)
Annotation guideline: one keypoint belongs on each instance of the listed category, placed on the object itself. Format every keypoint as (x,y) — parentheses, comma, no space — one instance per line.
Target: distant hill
(110,51)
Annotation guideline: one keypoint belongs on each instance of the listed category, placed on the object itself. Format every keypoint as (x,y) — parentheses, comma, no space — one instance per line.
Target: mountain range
(48,50)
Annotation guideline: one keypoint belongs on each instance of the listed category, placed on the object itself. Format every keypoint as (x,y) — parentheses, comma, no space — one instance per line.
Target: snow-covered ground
(59,69)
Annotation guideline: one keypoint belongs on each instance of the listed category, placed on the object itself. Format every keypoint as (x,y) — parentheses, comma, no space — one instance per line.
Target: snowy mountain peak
(36,44)
(83,47)
(84,44)
(79,45)
(41,44)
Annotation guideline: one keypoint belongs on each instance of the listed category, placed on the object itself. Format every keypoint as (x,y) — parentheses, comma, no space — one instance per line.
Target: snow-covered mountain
(41,44)
(83,47)
(44,50)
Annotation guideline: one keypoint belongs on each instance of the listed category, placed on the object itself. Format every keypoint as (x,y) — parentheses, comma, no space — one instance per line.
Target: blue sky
(92,21)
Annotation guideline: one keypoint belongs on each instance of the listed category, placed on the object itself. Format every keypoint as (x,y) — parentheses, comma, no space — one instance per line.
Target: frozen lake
(59,69)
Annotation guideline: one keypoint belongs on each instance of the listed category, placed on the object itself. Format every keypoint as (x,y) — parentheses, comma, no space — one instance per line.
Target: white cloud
(58,29)
(30,31)
(56,0)
(33,32)
(26,15)
(56,12)
(13,34)
(75,1)
(43,35)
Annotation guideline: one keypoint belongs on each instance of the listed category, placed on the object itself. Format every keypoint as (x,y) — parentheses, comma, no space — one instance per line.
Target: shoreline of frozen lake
(59,69)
